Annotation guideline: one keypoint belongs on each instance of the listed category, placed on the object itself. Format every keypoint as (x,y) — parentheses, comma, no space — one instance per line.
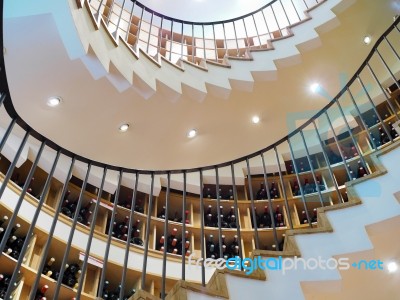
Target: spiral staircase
(371,200)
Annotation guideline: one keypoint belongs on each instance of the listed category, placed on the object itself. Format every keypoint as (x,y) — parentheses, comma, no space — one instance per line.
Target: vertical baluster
(266,24)
(303,199)
(253,210)
(170,43)
(270,201)
(203,252)
(383,91)
(361,118)
(236,38)
(184,226)
(352,137)
(46,247)
(7,134)
(387,68)
(128,240)
(255,26)
(97,13)
(130,24)
(284,11)
(276,20)
(182,41)
(8,176)
(338,147)
(109,236)
(146,244)
(2,98)
(140,26)
(148,39)
(215,44)
(110,12)
(374,108)
(235,203)
(193,48)
(31,227)
(305,3)
(204,42)
(283,187)
(164,263)
(312,169)
(328,164)
(245,32)
(34,220)
(297,13)
(90,237)
(71,235)
(119,21)
(391,47)
(225,43)
(160,35)
(218,212)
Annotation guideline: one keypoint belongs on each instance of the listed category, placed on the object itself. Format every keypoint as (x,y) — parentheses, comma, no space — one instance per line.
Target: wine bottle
(161,215)
(304,219)
(314,218)
(210,246)
(3,220)
(274,191)
(47,269)
(41,293)
(296,189)
(261,194)
(282,243)
(265,219)
(361,170)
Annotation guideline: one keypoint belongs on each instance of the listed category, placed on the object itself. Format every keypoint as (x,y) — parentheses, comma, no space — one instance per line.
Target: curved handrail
(12,112)
(195,41)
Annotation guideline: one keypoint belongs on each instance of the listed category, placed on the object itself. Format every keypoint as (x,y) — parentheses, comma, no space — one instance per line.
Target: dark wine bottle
(41,293)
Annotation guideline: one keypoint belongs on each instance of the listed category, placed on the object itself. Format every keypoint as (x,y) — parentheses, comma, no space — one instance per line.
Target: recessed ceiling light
(367,40)
(255,119)
(53,101)
(192,133)
(314,87)
(124,127)
(392,267)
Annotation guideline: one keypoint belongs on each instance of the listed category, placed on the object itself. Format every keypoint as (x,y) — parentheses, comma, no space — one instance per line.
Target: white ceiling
(204,10)
(38,66)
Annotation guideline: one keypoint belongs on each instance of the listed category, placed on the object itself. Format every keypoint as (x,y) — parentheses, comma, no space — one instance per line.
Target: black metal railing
(267,192)
(174,39)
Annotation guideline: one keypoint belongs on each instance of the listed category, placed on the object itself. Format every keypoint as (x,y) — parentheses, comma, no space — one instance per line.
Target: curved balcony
(195,42)
(284,188)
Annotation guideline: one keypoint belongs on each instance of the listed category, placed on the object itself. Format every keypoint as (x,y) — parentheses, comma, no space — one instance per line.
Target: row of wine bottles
(264,219)
(176,218)
(71,274)
(113,294)
(5,281)
(14,242)
(263,195)
(308,187)
(175,244)
(120,231)
(226,220)
(228,250)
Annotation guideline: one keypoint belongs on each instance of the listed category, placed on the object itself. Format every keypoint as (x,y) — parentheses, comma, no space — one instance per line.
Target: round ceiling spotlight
(314,87)
(53,101)
(124,127)
(192,133)
(367,40)
(392,267)
(255,119)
